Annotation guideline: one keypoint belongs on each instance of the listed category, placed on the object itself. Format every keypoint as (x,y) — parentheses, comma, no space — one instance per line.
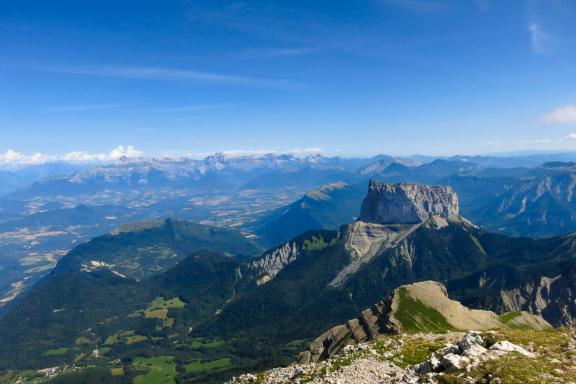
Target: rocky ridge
(423,306)
(272,262)
(267,267)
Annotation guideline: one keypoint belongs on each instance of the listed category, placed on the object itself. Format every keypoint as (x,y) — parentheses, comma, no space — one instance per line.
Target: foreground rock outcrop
(467,354)
(419,307)
(453,357)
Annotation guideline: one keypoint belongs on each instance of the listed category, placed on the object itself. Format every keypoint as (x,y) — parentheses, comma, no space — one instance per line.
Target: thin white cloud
(83,107)
(185,108)
(11,157)
(542,141)
(551,143)
(168,74)
(562,115)
(538,38)
(275,52)
(483,5)
(122,108)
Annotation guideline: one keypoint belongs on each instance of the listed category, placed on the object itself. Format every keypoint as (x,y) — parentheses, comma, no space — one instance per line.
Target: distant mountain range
(221,171)
(217,172)
(195,296)
(21,176)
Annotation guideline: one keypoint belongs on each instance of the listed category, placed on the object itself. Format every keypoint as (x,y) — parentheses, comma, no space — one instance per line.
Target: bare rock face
(272,262)
(554,298)
(407,203)
(267,267)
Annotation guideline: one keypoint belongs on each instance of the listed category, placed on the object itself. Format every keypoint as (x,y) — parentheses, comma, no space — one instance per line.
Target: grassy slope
(417,317)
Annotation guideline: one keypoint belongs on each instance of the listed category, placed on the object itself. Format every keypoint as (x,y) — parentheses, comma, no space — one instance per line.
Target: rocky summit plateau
(404,203)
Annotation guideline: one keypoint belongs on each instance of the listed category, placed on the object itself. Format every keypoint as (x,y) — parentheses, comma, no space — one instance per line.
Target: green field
(201,366)
(161,370)
(117,371)
(56,352)
(127,337)
(297,345)
(200,343)
(159,308)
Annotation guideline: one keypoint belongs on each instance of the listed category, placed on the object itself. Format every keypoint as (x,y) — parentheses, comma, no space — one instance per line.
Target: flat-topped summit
(404,203)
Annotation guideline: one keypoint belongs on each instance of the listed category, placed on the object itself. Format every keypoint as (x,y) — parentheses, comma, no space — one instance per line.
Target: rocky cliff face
(553,298)
(407,203)
(272,262)
(267,267)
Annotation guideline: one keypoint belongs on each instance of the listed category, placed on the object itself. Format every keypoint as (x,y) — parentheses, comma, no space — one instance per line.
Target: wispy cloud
(558,142)
(563,141)
(538,38)
(169,74)
(123,108)
(483,5)
(185,108)
(83,107)
(562,115)
(275,52)
(540,141)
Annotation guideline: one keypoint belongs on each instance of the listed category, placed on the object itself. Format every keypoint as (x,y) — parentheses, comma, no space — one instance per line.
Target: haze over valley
(274,192)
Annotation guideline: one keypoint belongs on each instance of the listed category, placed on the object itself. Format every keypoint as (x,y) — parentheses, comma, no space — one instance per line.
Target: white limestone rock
(506,346)
(407,203)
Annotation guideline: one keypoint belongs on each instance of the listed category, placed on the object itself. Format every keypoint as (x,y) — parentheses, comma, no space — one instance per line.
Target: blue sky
(351,77)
